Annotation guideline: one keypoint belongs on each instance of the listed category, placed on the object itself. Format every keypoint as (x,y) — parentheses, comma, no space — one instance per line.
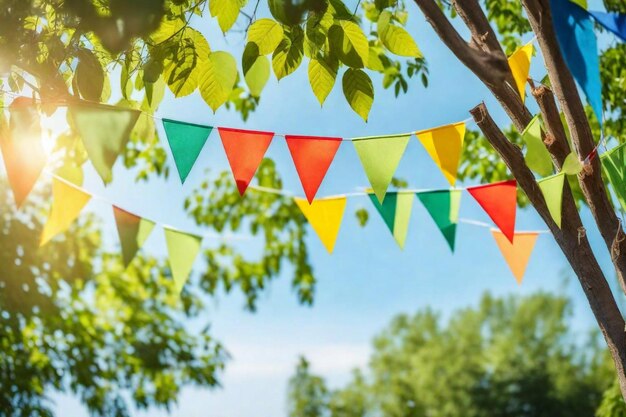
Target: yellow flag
(325,216)
(519,62)
(444,144)
(67,203)
(516,254)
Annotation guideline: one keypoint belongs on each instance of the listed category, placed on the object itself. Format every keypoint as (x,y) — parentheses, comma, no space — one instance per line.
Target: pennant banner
(519,62)
(499,200)
(325,216)
(614,167)
(186,141)
(396,213)
(380,156)
(537,156)
(552,189)
(67,203)
(444,145)
(133,232)
(615,22)
(182,249)
(516,253)
(443,206)
(22,151)
(312,157)
(579,46)
(245,150)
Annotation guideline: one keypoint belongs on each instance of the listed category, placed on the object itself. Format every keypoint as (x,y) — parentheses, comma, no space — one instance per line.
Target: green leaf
(226,12)
(288,55)
(256,69)
(167,29)
(267,34)
(217,78)
(322,75)
(181,68)
(359,91)
(396,38)
(89,76)
(356,38)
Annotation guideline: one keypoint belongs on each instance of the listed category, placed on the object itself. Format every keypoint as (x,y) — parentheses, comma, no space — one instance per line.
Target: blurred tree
(307,393)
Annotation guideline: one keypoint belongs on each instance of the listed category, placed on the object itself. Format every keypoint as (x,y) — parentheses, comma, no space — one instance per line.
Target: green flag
(552,189)
(133,231)
(182,248)
(396,213)
(614,167)
(443,206)
(186,142)
(380,156)
(537,156)
(105,131)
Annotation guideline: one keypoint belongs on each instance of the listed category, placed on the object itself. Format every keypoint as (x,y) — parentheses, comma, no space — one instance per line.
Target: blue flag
(615,22)
(574,32)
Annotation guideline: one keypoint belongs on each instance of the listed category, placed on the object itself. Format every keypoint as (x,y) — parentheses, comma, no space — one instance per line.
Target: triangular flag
(579,46)
(444,145)
(537,156)
(245,150)
(312,157)
(380,156)
(105,131)
(519,62)
(396,212)
(614,167)
(615,22)
(67,203)
(186,142)
(499,200)
(516,254)
(182,249)
(443,206)
(133,231)
(325,216)
(23,154)
(552,189)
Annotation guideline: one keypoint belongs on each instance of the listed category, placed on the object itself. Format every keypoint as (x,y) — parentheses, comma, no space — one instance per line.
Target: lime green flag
(614,167)
(380,156)
(182,248)
(552,189)
(133,232)
(443,206)
(396,213)
(537,156)
(186,142)
(105,131)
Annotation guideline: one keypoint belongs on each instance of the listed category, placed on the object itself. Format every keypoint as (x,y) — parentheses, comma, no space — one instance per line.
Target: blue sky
(368,279)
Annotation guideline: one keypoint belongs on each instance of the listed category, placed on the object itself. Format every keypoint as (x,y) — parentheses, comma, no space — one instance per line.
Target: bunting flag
(133,232)
(22,151)
(396,213)
(444,145)
(537,156)
(312,157)
(578,43)
(519,62)
(516,253)
(499,200)
(67,203)
(443,206)
(552,189)
(380,156)
(245,150)
(105,131)
(186,141)
(614,167)
(615,22)
(183,249)
(325,216)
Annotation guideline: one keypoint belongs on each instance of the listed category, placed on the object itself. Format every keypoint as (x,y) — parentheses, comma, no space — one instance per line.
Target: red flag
(245,150)
(312,156)
(499,200)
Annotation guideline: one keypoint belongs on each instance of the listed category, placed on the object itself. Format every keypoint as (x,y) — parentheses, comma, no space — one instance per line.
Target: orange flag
(312,157)
(67,203)
(499,200)
(20,142)
(245,150)
(516,254)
